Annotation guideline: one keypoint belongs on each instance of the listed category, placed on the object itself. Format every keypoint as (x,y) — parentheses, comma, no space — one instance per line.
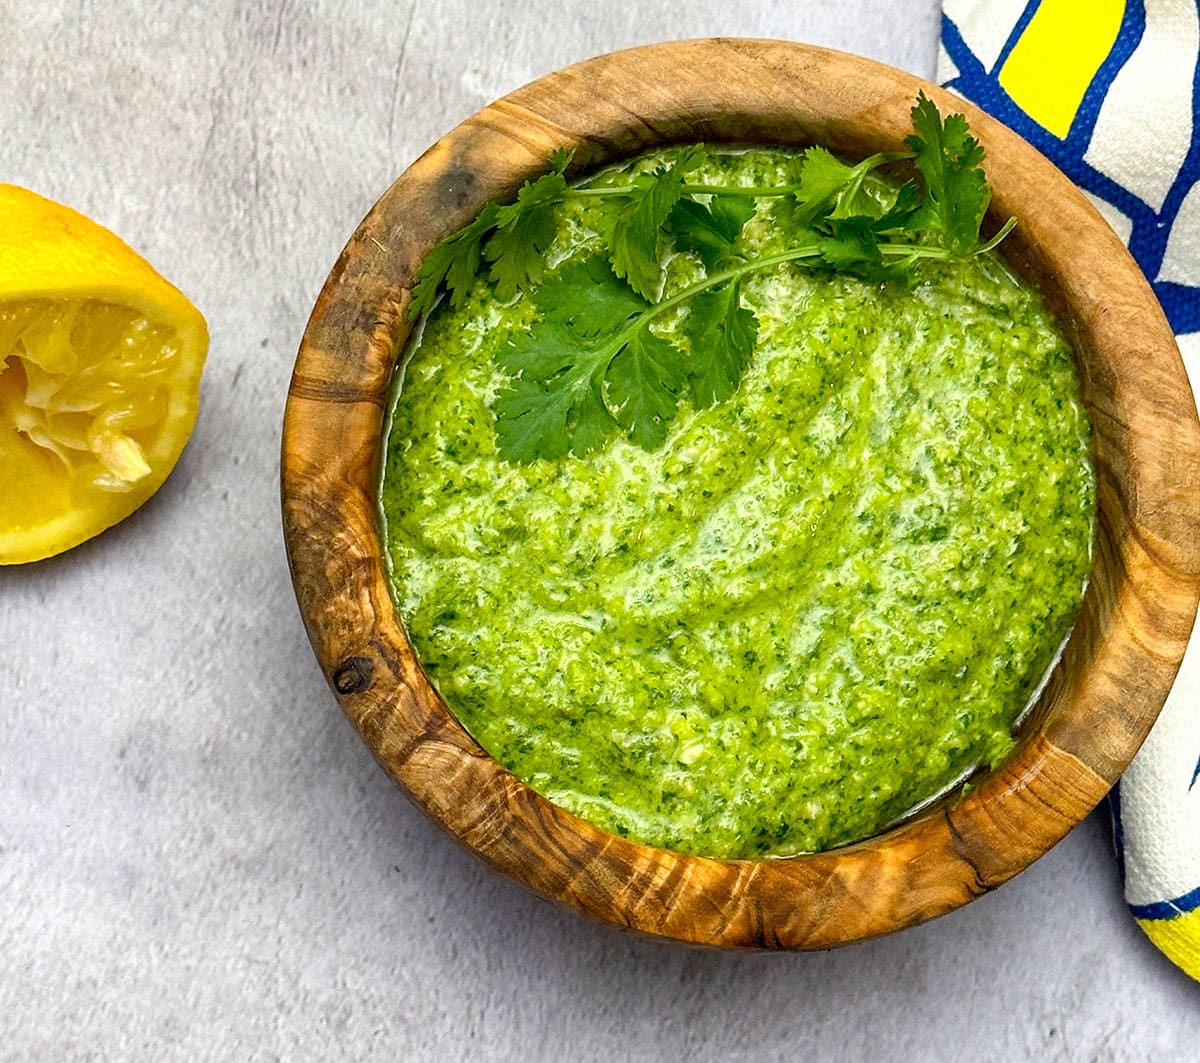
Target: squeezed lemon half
(100,362)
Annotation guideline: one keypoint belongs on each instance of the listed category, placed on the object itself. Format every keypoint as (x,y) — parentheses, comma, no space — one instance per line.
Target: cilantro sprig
(591,365)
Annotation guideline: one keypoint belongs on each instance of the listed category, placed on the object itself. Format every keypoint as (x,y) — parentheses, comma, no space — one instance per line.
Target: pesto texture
(815,605)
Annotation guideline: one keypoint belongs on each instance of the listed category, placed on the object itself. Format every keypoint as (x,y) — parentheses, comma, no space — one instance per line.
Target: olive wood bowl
(1117,665)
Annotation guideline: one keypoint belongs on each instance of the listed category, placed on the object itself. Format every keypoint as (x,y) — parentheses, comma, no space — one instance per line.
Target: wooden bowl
(1119,662)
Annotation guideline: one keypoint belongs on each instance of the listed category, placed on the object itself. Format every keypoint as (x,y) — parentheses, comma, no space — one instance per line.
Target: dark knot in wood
(353,675)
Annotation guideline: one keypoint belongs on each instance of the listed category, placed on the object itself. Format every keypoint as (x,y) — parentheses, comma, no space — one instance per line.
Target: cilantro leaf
(636,231)
(848,220)
(899,213)
(588,363)
(540,353)
(711,231)
(853,244)
(821,176)
(949,159)
(524,229)
(851,247)
(452,264)
(831,188)
(587,297)
(590,423)
(644,380)
(560,159)
(555,403)
(531,421)
(722,334)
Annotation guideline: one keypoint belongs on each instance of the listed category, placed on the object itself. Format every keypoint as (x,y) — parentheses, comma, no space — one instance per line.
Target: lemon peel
(100,363)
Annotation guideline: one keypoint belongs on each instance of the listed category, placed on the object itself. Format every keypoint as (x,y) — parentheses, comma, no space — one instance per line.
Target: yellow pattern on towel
(1047,81)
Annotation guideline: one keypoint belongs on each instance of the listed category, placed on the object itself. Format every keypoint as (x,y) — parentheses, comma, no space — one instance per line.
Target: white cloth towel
(1109,89)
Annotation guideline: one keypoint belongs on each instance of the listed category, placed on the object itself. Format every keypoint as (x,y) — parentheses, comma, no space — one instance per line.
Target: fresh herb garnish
(957,192)
(512,239)
(590,363)
(637,234)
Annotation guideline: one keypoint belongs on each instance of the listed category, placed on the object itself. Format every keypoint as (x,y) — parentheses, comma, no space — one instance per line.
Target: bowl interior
(1117,666)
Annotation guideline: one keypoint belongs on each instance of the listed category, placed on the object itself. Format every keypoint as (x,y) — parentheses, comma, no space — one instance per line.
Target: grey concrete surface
(198,859)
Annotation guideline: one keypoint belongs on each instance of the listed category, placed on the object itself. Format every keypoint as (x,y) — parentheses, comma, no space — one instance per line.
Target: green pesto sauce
(819,604)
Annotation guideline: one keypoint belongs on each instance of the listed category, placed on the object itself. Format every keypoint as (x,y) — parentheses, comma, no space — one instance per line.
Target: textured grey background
(198,859)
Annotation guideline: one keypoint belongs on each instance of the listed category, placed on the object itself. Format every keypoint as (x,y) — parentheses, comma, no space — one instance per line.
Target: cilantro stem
(741,190)
(1004,230)
(910,251)
(732,273)
(752,191)
(807,251)
(644,317)
(915,251)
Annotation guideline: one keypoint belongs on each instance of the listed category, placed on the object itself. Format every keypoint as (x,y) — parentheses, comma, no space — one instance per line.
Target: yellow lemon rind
(48,251)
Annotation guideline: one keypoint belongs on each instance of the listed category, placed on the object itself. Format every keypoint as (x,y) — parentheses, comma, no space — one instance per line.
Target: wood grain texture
(1118,664)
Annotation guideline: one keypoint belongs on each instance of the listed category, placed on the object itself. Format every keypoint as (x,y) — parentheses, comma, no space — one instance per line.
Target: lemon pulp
(85,390)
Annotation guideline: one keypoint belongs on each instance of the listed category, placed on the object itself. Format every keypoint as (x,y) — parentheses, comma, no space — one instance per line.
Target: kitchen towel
(1110,90)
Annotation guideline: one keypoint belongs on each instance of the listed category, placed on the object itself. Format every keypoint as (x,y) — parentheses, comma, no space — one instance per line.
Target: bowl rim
(1118,664)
